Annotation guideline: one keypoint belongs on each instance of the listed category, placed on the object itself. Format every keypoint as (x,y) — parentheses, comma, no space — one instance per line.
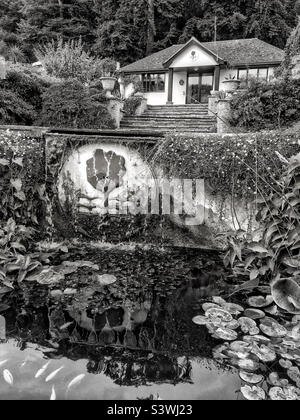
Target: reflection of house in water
(133,343)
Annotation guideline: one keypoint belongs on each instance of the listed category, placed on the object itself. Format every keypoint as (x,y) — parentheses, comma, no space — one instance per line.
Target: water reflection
(138,337)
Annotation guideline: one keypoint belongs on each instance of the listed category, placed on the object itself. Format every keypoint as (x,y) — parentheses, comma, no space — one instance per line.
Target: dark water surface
(130,339)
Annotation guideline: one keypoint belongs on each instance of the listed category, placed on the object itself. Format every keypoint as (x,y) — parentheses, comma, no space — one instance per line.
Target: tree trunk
(151,27)
(61,8)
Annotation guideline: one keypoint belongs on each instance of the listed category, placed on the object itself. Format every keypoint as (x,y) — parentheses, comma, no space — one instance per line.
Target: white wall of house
(186,59)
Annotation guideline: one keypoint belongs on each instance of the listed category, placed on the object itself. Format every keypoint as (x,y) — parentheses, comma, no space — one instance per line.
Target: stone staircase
(167,118)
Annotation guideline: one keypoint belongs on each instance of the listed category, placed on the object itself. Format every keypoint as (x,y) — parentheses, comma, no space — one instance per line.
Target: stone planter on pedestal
(213,103)
(108,84)
(231,85)
(115,108)
(224,113)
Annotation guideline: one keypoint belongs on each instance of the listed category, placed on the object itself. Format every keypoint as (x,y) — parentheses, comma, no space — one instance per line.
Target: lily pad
(219,301)
(254,393)
(251,378)
(240,346)
(272,310)
(294,374)
(254,314)
(48,277)
(219,314)
(219,352)
(275,380)
(200,320)
(286,294)
(105,279)
(248,365)
(233,308)
(264,353)
(248,326)
(260,301)
(286,364)
(272,328)
(207,306)
(226,334)
(288,393)
(256,339)
(232,325)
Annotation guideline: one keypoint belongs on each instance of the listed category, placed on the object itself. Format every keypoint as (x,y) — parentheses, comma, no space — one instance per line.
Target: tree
(68,60)
(71,104)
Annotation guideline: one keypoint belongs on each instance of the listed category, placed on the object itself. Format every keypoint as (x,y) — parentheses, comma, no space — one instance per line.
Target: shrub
(267,105)
(71,104)
(69,60)
(14,110)
(131,104)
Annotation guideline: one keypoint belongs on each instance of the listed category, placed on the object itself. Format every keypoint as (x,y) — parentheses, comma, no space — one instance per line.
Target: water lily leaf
(294,374)
(272,328)
(105,279)
(248,325)
(254,314)
(219,314)
(284,394)
(264,353)
(232,325)
(207,306)
(256,339)
(80,264)
(240,346)
(226,334)
(219,301)
(273,310)
(286,294)
(251,378)
(248,365)
(286,364)
(275,380)
(200,320)
(233,309)
(260,301)
(254,393)
(219,352)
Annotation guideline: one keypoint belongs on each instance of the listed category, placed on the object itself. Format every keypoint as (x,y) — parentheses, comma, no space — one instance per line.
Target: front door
(199,87)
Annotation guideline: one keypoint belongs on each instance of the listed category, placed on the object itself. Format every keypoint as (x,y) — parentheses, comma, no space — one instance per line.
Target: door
(199,87)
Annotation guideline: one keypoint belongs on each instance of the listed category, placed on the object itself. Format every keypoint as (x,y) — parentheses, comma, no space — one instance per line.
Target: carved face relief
(105,174)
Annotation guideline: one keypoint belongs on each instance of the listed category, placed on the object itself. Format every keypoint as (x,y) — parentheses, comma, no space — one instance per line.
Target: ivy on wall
(242,166)
(22,178)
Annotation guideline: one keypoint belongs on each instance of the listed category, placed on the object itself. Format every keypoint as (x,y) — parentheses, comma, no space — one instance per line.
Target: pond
(132,322)
(127,340)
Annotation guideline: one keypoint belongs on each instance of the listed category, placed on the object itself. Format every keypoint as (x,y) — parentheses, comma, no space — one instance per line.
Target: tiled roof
(235,52)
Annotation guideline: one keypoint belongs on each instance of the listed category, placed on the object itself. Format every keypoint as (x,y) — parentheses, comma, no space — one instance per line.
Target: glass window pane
(161,83)
(243,74)
(253,73)
(271,73)
(263,74)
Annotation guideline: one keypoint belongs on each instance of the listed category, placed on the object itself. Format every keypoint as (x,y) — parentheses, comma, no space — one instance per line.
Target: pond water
(123,341)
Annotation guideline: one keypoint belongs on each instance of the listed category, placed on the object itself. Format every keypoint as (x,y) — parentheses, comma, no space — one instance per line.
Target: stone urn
(231,85)
(108,84)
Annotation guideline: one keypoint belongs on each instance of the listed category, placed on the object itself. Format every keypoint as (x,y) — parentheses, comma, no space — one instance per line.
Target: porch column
(217,79)
(170,89)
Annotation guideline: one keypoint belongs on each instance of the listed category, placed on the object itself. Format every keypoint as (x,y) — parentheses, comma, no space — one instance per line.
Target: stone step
(176,107)
(177,115)
(168,120)
(210,129)
(166,127)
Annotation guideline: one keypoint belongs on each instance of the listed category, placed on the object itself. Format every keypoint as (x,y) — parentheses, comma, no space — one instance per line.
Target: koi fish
(53,374)
(42,370)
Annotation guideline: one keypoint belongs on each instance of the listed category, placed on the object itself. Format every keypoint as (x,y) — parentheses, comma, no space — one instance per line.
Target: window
(153,82)
(264,73)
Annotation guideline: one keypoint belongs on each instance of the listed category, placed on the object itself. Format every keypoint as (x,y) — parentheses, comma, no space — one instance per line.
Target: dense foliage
(267,105)
(22,181)
(21,95)
(228,163)
(276,250)
(71,104)
(127,29)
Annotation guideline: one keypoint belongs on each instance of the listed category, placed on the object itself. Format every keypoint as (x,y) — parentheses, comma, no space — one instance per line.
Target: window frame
(152,82)
(267,78)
